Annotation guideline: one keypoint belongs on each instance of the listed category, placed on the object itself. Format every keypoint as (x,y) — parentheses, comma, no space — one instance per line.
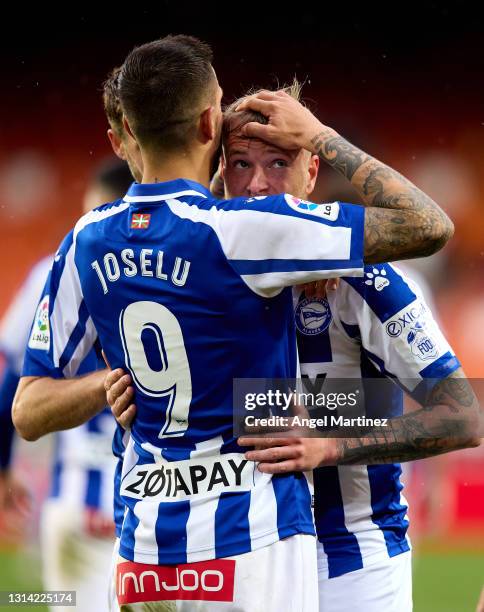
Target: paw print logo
(377,278)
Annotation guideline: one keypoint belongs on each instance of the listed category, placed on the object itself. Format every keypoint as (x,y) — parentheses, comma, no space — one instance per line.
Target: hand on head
(290,124)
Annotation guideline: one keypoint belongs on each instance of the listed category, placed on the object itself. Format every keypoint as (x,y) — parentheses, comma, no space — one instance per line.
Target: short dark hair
(162,86)
(111,103)
(113,175)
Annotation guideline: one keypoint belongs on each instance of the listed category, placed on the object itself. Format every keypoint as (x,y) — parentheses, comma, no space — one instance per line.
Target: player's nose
(258,184)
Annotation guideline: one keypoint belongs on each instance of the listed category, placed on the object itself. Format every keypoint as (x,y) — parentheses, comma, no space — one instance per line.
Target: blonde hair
(233,120)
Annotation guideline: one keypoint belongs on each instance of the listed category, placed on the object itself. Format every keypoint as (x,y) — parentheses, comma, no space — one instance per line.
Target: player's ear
(117,144)
(208,124)
(312,174)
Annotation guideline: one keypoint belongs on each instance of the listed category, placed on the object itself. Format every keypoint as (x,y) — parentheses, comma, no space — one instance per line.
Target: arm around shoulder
(43,405)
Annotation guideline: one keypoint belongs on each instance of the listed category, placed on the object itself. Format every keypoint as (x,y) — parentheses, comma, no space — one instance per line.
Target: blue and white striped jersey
(188,293)
(83,464)
(378,326)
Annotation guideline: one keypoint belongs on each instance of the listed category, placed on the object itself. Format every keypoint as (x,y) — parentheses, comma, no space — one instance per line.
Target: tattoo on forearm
(446,422)
(454,388)
(402,221)
(340,154)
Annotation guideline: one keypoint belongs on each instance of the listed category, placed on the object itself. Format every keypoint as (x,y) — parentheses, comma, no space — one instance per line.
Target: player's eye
(240,163)
(279,163)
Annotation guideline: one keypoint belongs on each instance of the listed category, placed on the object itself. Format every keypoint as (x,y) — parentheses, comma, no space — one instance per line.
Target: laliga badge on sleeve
(40,336)
(325,211)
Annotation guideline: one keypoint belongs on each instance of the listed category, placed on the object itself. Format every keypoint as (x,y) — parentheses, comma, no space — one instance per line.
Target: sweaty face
(253,167)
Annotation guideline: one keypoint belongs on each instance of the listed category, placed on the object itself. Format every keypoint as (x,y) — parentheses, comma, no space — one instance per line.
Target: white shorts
(385,586)
(72,560)
(281,577)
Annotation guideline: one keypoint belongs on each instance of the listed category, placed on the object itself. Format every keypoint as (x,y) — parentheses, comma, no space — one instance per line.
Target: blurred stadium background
(406,88)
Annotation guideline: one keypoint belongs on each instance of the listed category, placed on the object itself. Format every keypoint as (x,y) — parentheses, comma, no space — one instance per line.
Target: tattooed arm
(450,420)
(400,222)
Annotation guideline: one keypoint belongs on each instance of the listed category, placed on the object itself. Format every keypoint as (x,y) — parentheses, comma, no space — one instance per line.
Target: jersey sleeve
(8,386)
(15,326)
(62,332)
(397,330)
(279,241)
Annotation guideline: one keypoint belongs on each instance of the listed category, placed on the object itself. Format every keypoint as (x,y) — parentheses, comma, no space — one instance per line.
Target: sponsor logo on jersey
(40,336)
(325,211)
(175,480)
(313,316)
(421,343)
(202,581)
(139,221)
(377,278)
(395,327)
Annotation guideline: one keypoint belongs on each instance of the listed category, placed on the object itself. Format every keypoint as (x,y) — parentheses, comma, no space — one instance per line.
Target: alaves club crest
(313,316)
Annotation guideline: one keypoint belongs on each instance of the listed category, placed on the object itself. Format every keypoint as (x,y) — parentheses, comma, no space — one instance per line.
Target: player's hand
(318,289)
(290,454)
(120,394)
(15,510)
(290,124)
